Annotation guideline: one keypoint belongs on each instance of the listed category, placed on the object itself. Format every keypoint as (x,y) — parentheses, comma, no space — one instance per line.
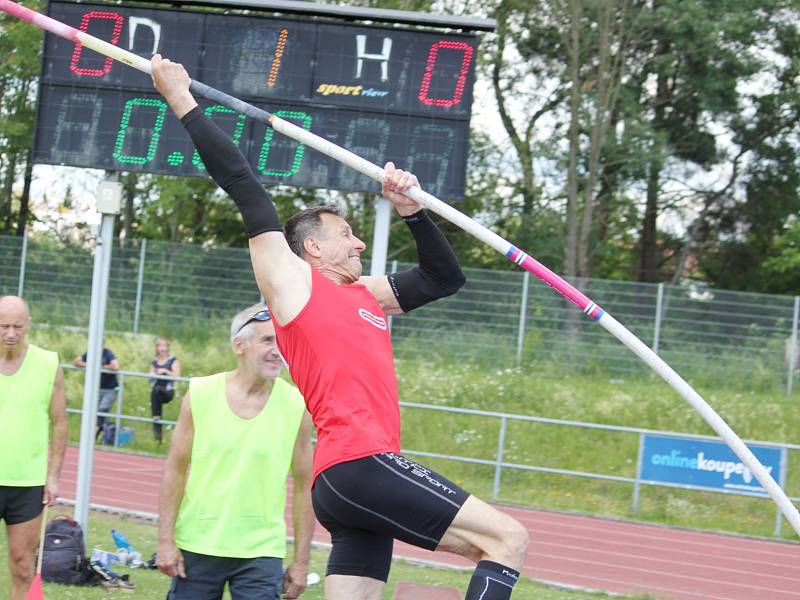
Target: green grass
(152,585)
(542,389)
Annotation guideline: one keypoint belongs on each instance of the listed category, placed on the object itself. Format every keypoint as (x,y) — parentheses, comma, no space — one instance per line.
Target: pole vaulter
(518,256)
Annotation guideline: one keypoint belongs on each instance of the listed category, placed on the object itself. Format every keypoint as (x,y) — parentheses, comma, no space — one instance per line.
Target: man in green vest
(33,437)
(223,492)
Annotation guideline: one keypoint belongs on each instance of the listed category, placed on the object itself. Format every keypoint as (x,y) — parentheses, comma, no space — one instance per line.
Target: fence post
(139,284)
(118,420)
(523,313)
(501,442)
(22,260)
(792,366)
(637,484)
(782,483)
(659,308)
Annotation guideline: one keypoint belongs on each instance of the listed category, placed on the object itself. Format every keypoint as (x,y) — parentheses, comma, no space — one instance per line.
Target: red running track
(565,549)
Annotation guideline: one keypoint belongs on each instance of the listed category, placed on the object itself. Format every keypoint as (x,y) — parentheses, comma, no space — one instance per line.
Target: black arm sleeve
(229,168)
(438,274)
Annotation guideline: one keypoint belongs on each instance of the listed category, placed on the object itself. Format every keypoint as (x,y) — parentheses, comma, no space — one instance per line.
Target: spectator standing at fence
(223,492)
(32,415)
(163,390)
(331,325)
(108,384)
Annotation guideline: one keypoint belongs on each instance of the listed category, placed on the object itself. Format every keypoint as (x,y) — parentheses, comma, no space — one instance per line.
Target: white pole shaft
(607,321)
(464,222)
(716,422)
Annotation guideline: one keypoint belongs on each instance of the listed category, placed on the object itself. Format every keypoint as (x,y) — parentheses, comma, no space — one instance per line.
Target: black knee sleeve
(491,581)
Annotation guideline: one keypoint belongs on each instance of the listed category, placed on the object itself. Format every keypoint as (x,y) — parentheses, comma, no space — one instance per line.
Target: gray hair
(241,318)
(305,224)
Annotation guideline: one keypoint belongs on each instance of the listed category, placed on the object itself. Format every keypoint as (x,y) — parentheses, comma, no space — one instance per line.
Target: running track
(565,549)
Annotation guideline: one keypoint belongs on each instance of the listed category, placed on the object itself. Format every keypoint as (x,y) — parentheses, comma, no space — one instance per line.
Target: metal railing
(498,462)
(501,316)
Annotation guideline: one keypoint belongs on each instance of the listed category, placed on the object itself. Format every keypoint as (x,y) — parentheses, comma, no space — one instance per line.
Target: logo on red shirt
(375,320)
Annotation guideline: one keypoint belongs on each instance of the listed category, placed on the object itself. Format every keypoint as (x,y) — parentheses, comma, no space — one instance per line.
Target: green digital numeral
(125,129)
(237,132)
(298,153)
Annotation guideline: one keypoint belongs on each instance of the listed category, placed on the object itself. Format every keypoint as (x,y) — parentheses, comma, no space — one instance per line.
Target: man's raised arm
(283,278)
(438,274)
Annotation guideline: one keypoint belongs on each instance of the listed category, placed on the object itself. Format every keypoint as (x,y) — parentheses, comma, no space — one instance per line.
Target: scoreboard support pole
(485,235)
(107,200)
(380,236)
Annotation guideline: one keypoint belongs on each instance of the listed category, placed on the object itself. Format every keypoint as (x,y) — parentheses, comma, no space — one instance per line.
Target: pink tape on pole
(570,292)
(40,20)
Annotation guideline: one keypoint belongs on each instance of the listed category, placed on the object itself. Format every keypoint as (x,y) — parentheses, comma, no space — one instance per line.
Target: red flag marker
(35,592)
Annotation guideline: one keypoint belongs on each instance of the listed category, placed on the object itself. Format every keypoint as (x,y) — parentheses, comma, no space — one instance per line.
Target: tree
(690,91)
(642,101)
(566,63)
(782,268)
(20,47)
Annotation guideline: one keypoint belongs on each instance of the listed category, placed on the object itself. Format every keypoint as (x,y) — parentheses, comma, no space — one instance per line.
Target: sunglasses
(262,315)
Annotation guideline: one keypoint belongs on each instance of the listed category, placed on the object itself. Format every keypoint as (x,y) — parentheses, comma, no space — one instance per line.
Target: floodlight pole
(108,200)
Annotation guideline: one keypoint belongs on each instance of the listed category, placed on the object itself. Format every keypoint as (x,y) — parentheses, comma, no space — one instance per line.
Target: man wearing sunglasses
(223,492)
(331,327)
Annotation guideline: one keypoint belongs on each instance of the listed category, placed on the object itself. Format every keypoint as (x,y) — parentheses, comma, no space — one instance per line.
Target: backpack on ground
(64,558)
(124,438)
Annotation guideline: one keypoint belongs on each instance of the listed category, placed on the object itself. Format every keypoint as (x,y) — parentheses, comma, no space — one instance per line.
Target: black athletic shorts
(258,578)
(20,504)
(367,503)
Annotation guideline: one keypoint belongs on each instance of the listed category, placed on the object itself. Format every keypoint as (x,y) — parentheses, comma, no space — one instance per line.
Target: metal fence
(499,316)
(506,456)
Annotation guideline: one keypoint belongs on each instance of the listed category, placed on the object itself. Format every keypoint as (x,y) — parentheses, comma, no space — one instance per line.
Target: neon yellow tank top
(235,494)
(25,419)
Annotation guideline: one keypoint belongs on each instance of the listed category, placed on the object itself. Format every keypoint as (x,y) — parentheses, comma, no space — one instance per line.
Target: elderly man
(331,327)
(223,493)
(33,437)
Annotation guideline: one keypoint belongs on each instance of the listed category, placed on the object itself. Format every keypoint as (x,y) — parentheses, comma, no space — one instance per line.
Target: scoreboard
(382,92)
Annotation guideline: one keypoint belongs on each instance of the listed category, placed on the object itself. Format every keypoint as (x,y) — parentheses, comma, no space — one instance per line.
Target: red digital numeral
(76,54)
(433,54)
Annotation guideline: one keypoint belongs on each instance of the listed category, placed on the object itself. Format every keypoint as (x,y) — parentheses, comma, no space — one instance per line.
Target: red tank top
(340,356)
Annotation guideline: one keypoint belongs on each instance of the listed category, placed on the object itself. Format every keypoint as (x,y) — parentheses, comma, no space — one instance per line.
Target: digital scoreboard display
(384,93)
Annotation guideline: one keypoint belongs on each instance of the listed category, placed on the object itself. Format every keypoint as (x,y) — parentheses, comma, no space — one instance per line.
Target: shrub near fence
(500,317)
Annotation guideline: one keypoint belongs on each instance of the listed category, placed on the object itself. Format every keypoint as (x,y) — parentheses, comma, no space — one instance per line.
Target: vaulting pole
(518,256)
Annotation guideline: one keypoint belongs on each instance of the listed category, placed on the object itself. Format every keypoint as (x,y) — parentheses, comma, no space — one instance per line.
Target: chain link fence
(499,317)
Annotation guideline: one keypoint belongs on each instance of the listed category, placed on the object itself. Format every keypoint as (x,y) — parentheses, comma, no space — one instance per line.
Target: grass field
(544,390)
(152,585)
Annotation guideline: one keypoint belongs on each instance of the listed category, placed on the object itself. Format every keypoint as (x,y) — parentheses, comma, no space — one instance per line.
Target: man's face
(260,349)
(341,250)
(14,325)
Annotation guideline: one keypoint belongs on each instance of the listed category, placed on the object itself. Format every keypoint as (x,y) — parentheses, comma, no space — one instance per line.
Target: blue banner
(710,465)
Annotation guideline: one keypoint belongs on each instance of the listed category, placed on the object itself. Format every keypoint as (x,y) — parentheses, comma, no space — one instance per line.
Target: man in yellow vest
(33,415)
(223,492)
